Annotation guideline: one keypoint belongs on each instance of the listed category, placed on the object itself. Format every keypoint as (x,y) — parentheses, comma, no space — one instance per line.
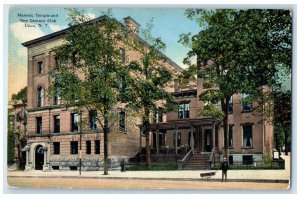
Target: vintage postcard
(149,98)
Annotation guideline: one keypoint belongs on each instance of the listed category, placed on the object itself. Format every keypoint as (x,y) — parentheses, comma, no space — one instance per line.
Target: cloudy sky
(168,24)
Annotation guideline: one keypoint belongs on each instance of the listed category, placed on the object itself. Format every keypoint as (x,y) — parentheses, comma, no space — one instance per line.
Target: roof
(98,19)
(184,123)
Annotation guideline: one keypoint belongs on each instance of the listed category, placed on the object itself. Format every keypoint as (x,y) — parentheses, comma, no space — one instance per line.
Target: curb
(166,179)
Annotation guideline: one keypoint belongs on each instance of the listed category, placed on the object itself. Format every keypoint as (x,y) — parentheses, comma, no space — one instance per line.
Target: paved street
(95,183)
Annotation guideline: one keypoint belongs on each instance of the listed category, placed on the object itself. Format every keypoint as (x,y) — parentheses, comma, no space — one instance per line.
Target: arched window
(40,96)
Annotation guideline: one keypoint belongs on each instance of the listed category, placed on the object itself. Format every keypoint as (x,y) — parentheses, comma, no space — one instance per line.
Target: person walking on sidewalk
(224,168)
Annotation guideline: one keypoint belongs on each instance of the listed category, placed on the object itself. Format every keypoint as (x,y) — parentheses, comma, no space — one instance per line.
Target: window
(247,159)
(88,147)
(93,119)
(230,160)
(122,121)
(230,136)
(56,119)
(40,96)
(57,98)
(74,147)
(247,136)
(122,86)
(73,168)
(55,167)
(56,148)
(162,139)
(184,111)
(74,122)
(97,146)
(178,139)
(230,105)
(246,105)
(154,116)
(122,55)
(160,115)
(39,123)
(40,67)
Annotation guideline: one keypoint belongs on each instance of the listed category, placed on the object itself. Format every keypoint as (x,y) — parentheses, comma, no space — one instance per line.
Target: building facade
(54,138)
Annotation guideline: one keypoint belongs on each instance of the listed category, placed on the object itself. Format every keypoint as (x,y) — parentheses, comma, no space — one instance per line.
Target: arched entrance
(39,157)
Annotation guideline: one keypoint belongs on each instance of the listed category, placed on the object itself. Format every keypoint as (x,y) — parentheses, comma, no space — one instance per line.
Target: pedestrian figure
(224,168)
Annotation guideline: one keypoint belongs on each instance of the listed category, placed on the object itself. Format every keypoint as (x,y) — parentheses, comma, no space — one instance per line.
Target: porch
(186,142)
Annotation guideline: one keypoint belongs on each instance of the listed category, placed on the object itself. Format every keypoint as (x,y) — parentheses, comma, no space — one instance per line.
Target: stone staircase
(197,161)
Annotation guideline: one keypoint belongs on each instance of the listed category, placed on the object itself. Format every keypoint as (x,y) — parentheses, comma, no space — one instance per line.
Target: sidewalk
(273,176)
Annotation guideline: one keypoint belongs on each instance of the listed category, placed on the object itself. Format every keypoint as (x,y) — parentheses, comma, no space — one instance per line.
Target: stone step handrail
(180,163)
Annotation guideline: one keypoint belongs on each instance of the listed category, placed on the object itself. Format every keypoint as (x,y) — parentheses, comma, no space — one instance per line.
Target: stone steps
(196,162)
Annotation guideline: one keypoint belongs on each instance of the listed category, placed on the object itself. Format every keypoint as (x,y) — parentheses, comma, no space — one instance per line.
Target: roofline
(61,32)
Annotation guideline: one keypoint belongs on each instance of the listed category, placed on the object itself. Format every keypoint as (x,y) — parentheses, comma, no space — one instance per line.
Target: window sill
(247,147)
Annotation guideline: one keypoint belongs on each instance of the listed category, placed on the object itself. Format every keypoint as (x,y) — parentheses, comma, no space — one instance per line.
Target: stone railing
(180,163)
(211,161)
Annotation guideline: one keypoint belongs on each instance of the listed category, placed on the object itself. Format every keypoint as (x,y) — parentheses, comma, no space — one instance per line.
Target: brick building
(53,133)
(53,136)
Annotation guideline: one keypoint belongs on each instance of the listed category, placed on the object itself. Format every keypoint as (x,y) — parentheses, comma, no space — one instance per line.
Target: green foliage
(238,51)
(211,110)
(20,96)
(274,166)
(150,78)
(10,138)
(267,155)
(91,67)
(282,111)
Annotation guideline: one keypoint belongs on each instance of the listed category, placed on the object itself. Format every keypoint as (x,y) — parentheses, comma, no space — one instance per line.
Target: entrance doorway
(208,140)
(39,157)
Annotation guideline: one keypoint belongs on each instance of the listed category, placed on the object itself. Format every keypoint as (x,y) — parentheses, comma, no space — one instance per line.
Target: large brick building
(53,137)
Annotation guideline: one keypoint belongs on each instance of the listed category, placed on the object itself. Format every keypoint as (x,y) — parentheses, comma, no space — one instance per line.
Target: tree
(90,68)
(10,138)
(20,96)
(282,119)
(237,51)
(148,87)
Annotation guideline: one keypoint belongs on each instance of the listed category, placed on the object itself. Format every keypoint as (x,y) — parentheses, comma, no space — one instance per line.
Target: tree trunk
(105,130)
(146,124)
(224,105)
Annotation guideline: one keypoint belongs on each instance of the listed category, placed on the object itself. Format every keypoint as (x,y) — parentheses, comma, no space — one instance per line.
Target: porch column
(192,138)
(214,135)
(27,156)
(45,158)
(157,140)
(200,138)
(176,138)
(27,149)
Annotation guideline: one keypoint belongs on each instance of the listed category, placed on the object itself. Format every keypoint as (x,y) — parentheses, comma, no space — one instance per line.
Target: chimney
(132,24)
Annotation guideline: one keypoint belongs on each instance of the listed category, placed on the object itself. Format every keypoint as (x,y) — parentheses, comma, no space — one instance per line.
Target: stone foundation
(87,164)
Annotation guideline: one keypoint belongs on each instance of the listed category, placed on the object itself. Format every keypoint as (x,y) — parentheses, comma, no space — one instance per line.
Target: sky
(169,24)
